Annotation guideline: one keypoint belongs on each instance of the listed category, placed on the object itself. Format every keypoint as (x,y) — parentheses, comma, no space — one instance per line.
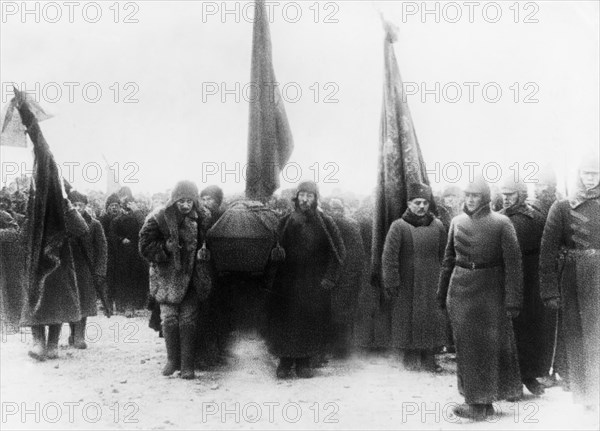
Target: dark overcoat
(11,269)
(89,254)
(529,325)
(573,230)
(58,301)
(297,307)
(345,295)
(131,271)
(477,301)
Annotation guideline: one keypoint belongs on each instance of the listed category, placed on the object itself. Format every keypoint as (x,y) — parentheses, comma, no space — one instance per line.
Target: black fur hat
(75,196)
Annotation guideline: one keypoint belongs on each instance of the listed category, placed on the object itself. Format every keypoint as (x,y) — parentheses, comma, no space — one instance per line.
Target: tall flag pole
(270,142)
(400,160)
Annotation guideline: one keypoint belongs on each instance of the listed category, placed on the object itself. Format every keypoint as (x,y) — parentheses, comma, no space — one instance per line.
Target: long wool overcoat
(11,269)
(90,255)
(298,306)
(58,301)
(130,272)
(573,230)
(477,301)
(412,258)
(529,325)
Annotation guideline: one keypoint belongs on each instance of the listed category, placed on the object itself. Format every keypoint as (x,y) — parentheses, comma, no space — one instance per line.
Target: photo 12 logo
(68,412)
(69,11)
(251,92)
(470,11)
(73,172)
(291,172)
(74,92)
(470,92)
(289,12)
(271,411)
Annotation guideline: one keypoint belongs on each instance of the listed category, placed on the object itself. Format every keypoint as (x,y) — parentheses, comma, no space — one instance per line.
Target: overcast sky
(174,62)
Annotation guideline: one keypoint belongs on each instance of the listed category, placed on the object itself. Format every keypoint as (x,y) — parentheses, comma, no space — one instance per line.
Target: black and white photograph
(311,214)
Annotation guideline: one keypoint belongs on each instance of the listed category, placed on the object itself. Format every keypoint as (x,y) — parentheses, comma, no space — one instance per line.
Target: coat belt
(474,265)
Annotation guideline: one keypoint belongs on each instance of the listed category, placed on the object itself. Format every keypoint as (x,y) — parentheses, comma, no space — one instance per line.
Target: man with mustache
(298,306)
(412,256)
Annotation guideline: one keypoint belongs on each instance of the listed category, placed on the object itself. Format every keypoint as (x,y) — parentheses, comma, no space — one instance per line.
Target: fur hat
(215,191)
(112,199)
(75,196)
(309,187)
(184,190)
(419,191)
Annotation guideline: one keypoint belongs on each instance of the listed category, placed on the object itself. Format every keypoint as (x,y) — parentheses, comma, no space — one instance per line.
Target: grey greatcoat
(477,301)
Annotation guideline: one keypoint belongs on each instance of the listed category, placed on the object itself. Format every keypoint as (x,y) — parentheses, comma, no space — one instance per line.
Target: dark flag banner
(400,159)
(270,142)
(45,233)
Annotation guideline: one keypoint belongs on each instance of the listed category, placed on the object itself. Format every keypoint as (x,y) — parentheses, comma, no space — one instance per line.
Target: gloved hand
(327,284)
(552,303)
(513,313)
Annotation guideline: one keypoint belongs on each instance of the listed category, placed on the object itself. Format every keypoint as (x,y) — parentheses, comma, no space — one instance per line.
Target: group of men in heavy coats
(496,276)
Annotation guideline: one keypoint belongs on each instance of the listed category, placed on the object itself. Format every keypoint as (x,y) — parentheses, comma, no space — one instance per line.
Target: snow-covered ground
(116,384)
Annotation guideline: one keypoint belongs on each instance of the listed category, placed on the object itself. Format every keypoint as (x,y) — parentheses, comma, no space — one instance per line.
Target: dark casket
(242,239)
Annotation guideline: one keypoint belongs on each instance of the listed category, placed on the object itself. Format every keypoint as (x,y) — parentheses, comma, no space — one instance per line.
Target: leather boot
(170,332)
(303,369)
(535,387)
(53,336)
(475,412)
(79,339)
(187,333)
(38,350)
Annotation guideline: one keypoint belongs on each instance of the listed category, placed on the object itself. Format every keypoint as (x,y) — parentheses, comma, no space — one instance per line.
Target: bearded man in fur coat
(298,306)
(171,241)
(573,230)
(412,257)
(90,256)
(481,285)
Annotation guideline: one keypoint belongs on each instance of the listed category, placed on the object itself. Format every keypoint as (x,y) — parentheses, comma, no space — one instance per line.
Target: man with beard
(297,309)
(412,255)
(170,241)
(529,325)
(90,256)
(573,229)
(481,284)
(211,198)
(344,297)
